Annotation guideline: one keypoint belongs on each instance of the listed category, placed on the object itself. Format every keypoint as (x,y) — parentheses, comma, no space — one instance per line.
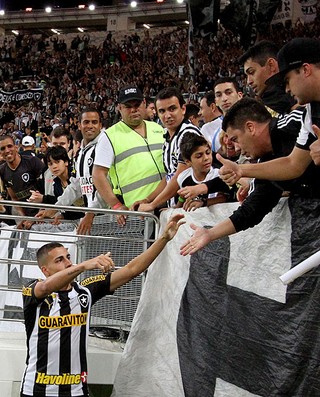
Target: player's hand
(103,262)
(230,172)
(173,226)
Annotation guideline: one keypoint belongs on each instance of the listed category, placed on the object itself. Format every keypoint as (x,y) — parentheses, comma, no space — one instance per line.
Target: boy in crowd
(197,154)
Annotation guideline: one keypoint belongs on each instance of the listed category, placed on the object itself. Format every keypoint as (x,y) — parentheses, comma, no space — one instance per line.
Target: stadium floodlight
(48,9)
(92,7)
(81,6)
(146,26)
(180,1)
(15,32)
(186,22)
(2,12)
(29,9)
(133,4)
(55,31)
(81,30)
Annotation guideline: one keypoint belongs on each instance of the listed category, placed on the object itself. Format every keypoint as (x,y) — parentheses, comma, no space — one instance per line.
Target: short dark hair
(3,137)
(170,92)
(91,109)
(260,52)
(231,80)
(56,153)
(61,131)
(149,100)
(192,110)
(209,96)
(190,143)
(43,251)
(244,110)
(77,136)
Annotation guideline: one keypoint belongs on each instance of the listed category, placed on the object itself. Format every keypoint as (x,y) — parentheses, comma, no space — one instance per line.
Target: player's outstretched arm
(144,260)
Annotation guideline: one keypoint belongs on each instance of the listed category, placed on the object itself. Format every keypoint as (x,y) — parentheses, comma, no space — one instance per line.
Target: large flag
(191,46)
(248,17)
(204,15)
(221,323)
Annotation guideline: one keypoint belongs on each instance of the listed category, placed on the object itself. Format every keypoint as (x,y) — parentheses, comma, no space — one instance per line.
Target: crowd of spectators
(76,74)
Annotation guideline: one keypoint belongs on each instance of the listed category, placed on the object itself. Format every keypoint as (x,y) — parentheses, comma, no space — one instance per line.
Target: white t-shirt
(189,174)
(211,131)
(104,152)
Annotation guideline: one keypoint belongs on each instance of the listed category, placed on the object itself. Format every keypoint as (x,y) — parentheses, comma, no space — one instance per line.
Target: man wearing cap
(28,146)
(299,68)
(130,153)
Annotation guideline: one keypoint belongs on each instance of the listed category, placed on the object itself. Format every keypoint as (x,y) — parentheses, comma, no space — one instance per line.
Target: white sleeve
(104,152)
(306,129)
(71,193)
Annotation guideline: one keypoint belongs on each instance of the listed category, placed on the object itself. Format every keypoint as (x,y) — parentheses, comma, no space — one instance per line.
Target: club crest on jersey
(25,177)
(83,300)
(90,161)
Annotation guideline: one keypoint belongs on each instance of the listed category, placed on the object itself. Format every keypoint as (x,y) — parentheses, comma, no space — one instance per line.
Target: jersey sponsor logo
(22,194)
(86,185)
(83,300)
(64,379)
(86,180)
(93,279)
(25,177)
(69,320)
(27,291)
(86,189)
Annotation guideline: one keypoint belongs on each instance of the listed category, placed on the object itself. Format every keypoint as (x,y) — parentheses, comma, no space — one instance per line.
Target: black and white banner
(221,323)
(204,14)
(35,94)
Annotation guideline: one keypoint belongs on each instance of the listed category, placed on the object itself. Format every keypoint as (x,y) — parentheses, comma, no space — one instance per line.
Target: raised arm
(144,260)
(280,169)
(64,277)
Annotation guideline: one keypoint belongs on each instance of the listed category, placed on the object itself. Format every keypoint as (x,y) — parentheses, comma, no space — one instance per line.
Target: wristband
(181,199)
(116,206)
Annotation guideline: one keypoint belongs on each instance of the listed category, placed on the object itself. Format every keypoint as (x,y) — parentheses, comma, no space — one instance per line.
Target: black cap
(130,93)
(293,55)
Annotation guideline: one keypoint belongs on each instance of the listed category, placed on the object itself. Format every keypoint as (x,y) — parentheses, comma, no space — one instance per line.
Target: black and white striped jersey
(81,185)
(171,147)
(57,327)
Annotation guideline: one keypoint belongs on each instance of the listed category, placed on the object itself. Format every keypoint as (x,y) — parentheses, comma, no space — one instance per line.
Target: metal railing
(18,253)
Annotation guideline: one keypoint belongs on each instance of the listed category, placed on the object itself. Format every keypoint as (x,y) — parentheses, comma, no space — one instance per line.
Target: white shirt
(211,131)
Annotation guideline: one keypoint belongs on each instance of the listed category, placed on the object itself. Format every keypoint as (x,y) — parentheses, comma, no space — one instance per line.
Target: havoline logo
(63,379)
